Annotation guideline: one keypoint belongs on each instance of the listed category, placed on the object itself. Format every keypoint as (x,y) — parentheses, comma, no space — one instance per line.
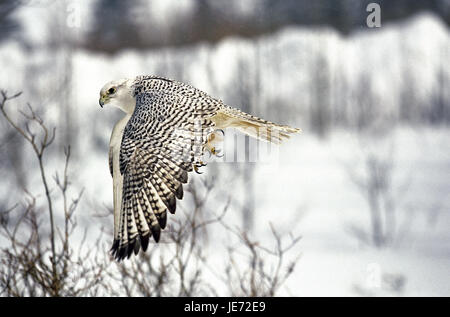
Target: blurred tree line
(8,24)
(119,25)
(211,20)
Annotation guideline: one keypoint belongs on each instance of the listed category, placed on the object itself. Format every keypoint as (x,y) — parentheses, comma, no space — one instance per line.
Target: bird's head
(118,93)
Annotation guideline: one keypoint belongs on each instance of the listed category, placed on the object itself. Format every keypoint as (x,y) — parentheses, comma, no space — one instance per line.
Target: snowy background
(373,106)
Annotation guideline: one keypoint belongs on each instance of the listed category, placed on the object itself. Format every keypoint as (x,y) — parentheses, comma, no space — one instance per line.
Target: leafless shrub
(38,257)
(377,191)
(179,265)
(256,270)
(373,176)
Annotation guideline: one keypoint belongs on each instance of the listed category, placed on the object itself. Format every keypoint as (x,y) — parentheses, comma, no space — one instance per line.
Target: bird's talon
(223,132)
(197,167)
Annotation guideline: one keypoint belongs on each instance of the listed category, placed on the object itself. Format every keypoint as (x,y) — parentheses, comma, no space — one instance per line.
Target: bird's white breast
(114,144)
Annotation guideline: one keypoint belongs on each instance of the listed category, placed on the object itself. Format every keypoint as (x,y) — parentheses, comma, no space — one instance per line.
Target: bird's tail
(253,126)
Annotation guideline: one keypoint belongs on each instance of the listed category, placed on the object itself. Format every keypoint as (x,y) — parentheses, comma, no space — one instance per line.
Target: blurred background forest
(366,184)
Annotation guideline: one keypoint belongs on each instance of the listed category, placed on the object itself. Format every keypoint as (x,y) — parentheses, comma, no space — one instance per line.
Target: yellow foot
(214,151)
(213,139)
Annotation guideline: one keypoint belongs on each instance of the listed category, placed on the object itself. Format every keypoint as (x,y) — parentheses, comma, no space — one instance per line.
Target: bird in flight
(167,127)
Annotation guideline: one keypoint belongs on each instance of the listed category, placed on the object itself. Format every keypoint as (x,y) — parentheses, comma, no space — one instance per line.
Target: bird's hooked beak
(103,99)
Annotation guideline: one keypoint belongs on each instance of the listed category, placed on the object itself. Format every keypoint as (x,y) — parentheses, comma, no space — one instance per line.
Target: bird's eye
(111,90)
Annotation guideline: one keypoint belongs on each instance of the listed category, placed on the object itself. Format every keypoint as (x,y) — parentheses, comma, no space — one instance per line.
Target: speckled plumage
(162,139)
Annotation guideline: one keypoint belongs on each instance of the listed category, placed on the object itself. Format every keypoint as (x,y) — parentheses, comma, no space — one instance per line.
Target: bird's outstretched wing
(162,140)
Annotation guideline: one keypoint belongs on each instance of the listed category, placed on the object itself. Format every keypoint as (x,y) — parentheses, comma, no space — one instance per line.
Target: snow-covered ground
(317,184)
(307,188)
